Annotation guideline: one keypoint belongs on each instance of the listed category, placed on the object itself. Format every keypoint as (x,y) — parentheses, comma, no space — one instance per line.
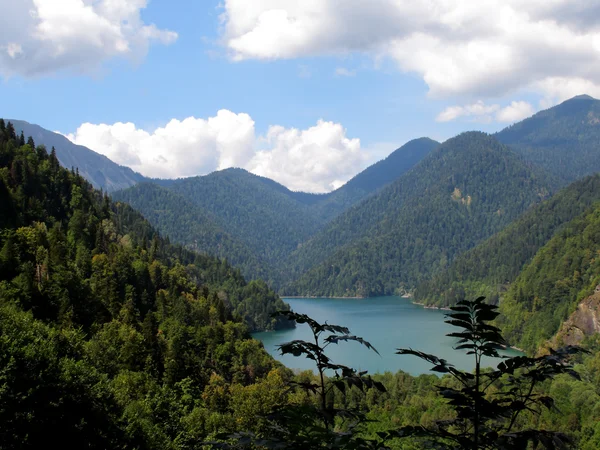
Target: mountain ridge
(98,169)
(451,180)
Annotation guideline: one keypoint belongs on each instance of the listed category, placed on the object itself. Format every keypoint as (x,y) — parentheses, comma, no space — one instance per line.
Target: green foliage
(563,139)
(255,210)
(189,225)
(252,221)
(487,404)
(110,335)
(562,273)
(315,422)
(49,391)
(464,191)
(97,169)
(372,179)
(491,266)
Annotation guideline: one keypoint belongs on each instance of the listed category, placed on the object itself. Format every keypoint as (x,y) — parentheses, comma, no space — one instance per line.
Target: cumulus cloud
(483,49)
(317,159)
(43,36)
(514,112)
(483,113)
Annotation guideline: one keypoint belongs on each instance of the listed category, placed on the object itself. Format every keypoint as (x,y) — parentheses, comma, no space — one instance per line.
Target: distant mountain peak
(582,97)
(95,167)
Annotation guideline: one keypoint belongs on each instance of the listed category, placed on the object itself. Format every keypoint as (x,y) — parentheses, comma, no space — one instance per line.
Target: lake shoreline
(387,322)
(442,308)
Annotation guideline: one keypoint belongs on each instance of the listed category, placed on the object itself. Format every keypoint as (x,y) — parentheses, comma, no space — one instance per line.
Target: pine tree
(10,130)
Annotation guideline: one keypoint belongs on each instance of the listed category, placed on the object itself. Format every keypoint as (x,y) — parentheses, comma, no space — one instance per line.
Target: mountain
(97,169)
(464,191)
(189,225)
(110,337)
(561,275)
(373,178)
(64,211)
(257,211)
(488,268)
(563,139)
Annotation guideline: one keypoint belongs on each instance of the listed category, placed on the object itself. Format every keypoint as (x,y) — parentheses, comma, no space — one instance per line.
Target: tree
(316,423)
(488,403)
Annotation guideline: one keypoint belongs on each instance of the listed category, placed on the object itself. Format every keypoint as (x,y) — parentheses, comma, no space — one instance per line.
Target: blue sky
(288,64)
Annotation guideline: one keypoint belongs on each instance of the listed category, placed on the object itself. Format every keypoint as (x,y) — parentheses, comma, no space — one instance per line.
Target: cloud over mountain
(317,159)
(473,50)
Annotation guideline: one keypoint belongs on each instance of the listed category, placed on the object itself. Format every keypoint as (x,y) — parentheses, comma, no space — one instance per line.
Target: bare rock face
(584,322)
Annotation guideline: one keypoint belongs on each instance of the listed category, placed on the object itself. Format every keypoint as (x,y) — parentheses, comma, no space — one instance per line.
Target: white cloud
(44,36)
(478,111)
(343,72)
(460,48)
(483,113)
(514,112)
(317,159)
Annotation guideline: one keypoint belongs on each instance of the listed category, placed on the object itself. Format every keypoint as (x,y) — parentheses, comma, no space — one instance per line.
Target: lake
(387,323)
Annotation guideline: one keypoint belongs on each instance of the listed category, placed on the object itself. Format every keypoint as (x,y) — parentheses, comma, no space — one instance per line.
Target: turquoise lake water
(387,323)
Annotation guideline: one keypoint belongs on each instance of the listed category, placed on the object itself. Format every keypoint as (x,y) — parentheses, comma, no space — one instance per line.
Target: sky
(307,93)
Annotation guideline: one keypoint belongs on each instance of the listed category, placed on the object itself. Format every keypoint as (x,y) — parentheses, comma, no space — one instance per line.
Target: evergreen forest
(126,316)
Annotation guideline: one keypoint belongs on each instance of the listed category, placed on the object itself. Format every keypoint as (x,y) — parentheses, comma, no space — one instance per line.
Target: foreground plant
(488,403)
(316,423)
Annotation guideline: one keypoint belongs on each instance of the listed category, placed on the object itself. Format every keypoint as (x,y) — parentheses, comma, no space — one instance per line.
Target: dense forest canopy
(489,268)
(291,238)
(563,139)
(189,225)
(111,337)
(253,221)
(463,192)
(563,273)
(109,334)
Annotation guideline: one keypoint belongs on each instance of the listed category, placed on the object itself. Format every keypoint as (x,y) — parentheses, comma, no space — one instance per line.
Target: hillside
(94,167)
(187,224)
(110,337)
(373,178)
(488,268)
(562,274)
(253,221)
(44,205)
(463,192)
(265,218)
(563,139)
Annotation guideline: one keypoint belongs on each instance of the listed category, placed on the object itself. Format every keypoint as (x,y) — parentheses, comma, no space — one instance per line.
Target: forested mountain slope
(463,192)
(94,167)
(56,218)
(187,224)
(373,178)
(489,267)
(253,221)
(264,218)
(562,273)
(564,139)
(109,335)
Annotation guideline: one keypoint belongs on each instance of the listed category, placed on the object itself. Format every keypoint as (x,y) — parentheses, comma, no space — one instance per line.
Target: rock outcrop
(584,322)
